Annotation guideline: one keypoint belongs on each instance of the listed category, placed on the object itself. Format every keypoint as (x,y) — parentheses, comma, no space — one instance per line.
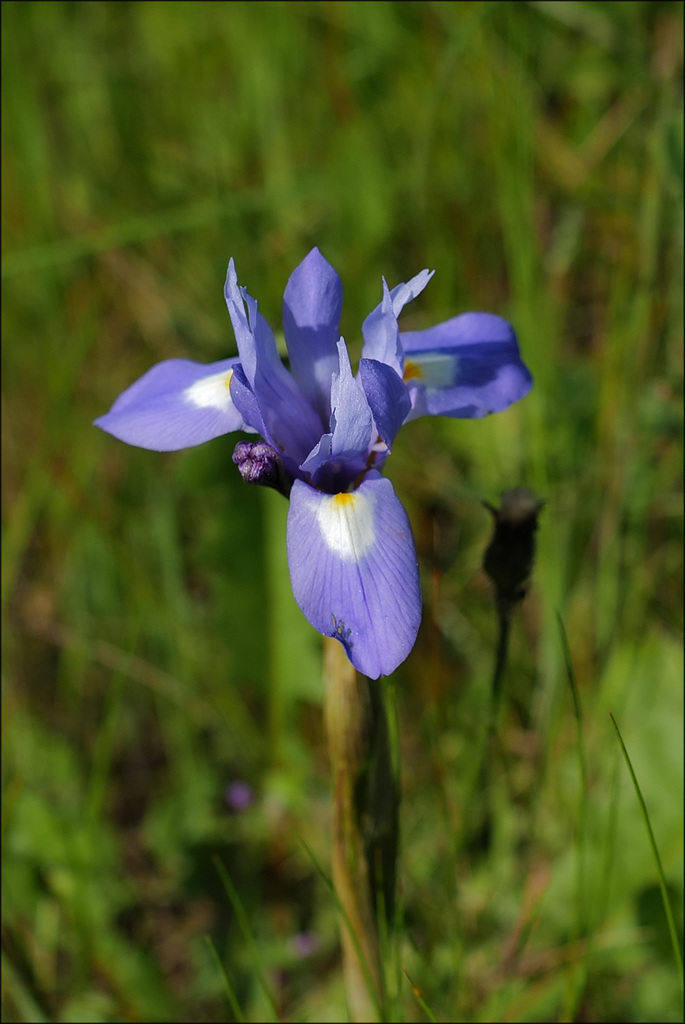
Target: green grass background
(532,153)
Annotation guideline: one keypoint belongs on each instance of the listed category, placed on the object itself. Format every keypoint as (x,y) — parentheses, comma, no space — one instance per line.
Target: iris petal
(382,335)
(288,416)
(467,367)
(351,422)
(342,455)
(402,294)
(176,404)
(387,396)
(312,303)
(354,571)
(380,330)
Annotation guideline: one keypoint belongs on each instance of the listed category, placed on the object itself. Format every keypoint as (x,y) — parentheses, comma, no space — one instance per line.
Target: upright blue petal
(342,454)
(380,330)
(293,425)
(351,419)
(354,571)
(241,328)
(245,402)
(387,396)
(382,335)
(312,303)
(402,294)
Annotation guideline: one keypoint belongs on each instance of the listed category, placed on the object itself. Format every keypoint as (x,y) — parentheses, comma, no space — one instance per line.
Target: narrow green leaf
(228,984)
(420,1000)
(244,926)
(662,880)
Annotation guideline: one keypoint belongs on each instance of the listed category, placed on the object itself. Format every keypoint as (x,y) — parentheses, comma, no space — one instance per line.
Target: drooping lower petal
(467,367)
(354,571)
(176,404)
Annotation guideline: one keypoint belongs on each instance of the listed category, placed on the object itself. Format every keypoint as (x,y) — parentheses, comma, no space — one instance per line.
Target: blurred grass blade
(244,926)
(17,993)
(577,710)
(228,984)
(575,990)
(341,910)
(41,257)
(662,881)
(420,1000)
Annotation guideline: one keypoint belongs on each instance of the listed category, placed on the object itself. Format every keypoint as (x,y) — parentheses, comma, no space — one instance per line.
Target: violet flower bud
(261,464)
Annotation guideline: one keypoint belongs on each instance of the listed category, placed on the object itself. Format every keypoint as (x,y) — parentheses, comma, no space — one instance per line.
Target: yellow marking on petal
(433,369)
(344,498)
(412,370)
(229,377)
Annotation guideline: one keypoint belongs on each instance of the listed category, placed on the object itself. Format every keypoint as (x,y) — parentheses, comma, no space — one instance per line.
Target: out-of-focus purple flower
(239,795)
(305,944)
(326,435)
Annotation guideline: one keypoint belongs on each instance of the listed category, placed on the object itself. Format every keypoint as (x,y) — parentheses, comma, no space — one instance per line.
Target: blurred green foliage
(532,153)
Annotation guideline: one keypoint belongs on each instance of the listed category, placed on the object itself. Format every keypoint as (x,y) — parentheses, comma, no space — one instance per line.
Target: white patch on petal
(213,392)
(432,369)
(347,524)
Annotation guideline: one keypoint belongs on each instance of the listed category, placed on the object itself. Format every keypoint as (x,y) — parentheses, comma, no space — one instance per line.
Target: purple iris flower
(326,434)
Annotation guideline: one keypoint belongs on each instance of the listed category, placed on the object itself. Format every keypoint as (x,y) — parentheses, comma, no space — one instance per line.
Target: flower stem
(364,823)
(505,613)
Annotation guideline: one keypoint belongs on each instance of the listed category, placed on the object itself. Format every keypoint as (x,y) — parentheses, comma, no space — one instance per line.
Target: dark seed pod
(509,558)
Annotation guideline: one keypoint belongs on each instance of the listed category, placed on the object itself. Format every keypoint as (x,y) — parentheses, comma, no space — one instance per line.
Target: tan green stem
(349,714)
